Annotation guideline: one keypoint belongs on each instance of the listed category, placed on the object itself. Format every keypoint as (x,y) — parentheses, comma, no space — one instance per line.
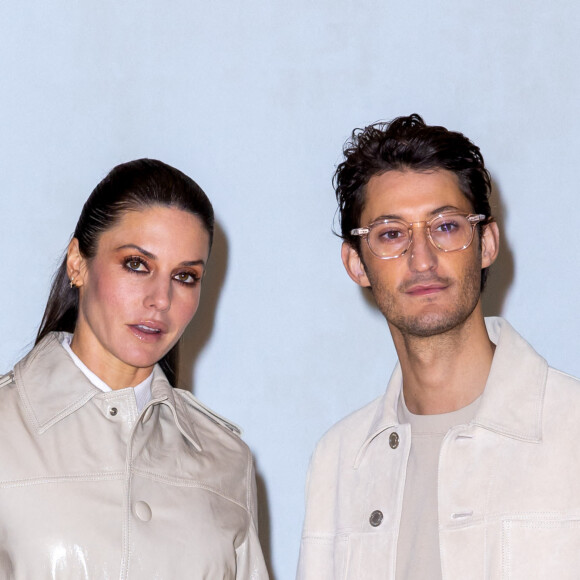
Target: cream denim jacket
(509,481)
(91,489)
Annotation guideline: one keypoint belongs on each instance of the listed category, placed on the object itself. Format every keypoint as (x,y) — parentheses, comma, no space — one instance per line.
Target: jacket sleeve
(323,553)
(250,564)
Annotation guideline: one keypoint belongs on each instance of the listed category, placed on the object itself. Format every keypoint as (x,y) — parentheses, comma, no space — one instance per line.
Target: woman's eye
(136,265)
(186,278)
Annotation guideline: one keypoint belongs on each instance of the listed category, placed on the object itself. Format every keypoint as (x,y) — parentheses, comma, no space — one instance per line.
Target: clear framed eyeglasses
(448,232)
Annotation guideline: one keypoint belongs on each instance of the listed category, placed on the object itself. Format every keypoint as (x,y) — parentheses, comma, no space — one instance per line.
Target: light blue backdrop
(254,100)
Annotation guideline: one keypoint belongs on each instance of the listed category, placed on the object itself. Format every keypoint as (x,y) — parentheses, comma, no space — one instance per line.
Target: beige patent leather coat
(90,488)
(509,481)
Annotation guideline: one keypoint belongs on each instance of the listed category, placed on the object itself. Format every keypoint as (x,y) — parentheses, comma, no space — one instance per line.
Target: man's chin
(428,325)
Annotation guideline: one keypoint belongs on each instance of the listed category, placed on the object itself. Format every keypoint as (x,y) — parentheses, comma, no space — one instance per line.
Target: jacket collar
(512,401)
(52,387)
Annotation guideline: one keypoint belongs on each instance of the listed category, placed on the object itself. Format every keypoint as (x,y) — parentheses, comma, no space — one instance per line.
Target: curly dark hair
(407,143)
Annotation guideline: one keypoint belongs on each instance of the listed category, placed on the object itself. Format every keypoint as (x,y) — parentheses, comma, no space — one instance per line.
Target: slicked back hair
(132,186)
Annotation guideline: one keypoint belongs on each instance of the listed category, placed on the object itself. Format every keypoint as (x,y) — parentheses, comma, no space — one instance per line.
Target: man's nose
(422,255)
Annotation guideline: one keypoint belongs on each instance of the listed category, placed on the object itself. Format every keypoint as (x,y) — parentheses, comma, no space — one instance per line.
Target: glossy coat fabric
(91,489)
(508,487)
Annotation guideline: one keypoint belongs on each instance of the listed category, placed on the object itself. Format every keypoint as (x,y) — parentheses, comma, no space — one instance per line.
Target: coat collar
(51,387)
(163,392)
(512,401)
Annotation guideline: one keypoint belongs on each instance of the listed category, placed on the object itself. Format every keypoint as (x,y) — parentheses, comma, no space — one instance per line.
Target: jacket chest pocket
(324,557)
(543,549)
(372,556)
(349,556)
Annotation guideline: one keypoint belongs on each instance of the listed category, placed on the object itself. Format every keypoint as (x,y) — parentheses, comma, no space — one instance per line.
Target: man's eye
(448,227)
(390,235)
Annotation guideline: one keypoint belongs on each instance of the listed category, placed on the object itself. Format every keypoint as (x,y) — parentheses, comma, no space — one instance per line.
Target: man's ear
(75,264)
(354,265)
(489,244)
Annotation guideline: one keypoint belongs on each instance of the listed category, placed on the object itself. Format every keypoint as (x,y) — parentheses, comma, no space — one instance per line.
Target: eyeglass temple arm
(476,218)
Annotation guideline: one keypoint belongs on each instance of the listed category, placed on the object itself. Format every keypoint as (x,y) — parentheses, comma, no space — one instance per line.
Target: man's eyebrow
(445,208)
(152,256)
(393,216)
(384,216)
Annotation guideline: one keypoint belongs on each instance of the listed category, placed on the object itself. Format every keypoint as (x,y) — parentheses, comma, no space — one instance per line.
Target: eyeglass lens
(392,237)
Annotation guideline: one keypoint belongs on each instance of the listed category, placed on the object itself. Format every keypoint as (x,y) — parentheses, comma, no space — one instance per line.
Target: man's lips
(424,289)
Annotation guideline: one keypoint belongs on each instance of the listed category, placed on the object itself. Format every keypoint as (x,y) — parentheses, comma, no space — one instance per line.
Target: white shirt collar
(142,391)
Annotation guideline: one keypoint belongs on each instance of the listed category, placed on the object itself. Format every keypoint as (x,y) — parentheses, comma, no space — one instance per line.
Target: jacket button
(113,411)
(376,518)
(142,511)
(394,440)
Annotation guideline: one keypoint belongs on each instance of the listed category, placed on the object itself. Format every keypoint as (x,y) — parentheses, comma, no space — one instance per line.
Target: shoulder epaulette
(215,417)
(6,379)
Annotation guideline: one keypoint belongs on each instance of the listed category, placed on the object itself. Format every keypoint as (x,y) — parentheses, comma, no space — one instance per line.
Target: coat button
(113,411)
(394,440)
(376,518)
(142,511)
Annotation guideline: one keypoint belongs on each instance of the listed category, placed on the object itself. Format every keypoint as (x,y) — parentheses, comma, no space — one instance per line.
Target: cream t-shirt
(418,556)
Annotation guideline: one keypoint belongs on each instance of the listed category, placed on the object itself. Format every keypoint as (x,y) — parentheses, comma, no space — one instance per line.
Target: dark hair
(131,186)
(407,143)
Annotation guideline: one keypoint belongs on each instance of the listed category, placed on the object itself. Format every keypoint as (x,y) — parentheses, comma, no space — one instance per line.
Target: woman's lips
(147,331)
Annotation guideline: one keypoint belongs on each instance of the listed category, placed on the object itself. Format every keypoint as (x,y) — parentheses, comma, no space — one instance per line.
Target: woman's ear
(489,244)
(75,264)
(354,265)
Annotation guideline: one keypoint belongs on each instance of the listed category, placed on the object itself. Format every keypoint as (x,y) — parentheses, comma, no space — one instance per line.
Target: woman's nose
(159,295)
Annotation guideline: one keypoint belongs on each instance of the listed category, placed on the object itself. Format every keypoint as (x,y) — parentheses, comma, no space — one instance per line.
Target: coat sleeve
(250,564)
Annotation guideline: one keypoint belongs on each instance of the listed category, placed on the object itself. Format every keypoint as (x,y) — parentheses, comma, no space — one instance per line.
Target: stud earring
(72,282)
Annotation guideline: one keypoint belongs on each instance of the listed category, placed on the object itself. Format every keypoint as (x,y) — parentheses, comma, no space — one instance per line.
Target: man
(468,467)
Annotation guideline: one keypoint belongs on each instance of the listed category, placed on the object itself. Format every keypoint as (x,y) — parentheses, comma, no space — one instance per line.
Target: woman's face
(138,293)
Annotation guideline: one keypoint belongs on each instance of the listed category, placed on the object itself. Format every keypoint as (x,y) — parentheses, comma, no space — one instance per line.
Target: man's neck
(445,372)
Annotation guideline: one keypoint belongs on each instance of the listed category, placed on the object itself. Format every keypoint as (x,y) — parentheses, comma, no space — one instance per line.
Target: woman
(106,471)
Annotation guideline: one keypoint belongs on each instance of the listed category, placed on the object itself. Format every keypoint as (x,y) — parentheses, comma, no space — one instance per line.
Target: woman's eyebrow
(193,263)
(154,257)
(139,249)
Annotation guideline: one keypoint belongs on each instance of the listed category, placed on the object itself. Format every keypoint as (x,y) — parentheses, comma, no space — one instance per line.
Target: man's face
(426,291)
